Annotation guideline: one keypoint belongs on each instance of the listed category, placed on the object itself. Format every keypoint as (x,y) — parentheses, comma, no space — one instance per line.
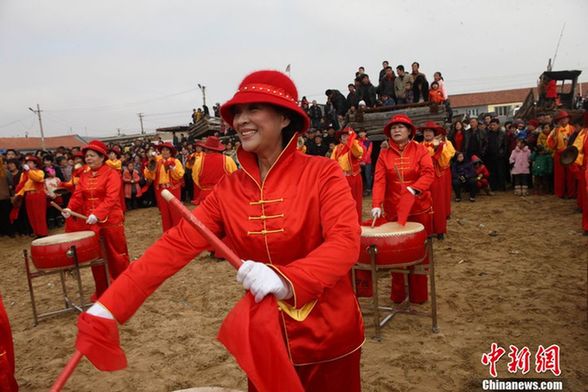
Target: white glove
(100,310)
(92,219)
(261,280)
(376,212)
(66,213)
(26,167)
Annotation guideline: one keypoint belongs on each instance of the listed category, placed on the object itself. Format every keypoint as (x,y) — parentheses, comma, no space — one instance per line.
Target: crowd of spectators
(59,165)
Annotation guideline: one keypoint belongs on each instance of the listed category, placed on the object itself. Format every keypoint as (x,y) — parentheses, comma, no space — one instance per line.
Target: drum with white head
(395,243)
(54,251)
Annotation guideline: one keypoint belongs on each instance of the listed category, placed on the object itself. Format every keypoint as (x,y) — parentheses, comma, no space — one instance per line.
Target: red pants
(339,375)
(7,380)
(448,189)
(36,204)
(114,250)
(583,184)
(356,186)
(564,181)
(483,183)
(169,217)
(439,194)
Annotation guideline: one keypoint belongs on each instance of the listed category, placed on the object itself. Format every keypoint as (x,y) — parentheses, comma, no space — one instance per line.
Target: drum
(396,244)
(53,251)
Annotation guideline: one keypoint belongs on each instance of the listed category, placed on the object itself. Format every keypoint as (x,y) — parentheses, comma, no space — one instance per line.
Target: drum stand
(73,270)
(418,268)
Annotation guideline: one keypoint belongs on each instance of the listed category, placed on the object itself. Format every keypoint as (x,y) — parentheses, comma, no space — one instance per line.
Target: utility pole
(141,120)
(203,90)
(38,113)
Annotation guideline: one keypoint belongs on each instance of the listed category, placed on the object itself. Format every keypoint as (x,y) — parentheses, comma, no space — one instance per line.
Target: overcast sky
(93,65)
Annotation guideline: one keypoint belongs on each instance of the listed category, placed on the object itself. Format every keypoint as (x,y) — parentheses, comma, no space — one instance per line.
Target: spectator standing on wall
(420,86)
(400,85)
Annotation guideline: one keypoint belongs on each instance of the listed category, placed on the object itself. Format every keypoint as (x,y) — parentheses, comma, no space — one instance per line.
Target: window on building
(472,112)
(503,110)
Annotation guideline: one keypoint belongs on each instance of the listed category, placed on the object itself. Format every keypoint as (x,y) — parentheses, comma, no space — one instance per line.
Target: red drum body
(396,244)
(53,251)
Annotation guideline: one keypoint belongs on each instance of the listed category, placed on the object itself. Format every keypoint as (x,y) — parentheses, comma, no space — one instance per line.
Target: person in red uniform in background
(31,187)
(7,380)
(564,182)
(404,174)
(283,209)
(210,168)
(580,168)
(75,224)
(166,172)
(348,154)
(115,162)
(97,196)
(441,153)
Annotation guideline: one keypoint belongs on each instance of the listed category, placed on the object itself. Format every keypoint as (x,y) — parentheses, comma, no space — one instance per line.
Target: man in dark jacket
(338,101)
(494,159)
(367,91)
(474,141)
(318,148)
(386,86)
(420,86)
(316,115)
(352,99)
(385,65)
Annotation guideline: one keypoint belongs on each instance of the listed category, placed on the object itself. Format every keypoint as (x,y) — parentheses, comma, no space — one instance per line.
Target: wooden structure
(373,120)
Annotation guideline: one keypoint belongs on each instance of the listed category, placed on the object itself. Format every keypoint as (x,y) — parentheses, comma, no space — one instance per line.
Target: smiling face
(399,133)
(94,160)
(259,127)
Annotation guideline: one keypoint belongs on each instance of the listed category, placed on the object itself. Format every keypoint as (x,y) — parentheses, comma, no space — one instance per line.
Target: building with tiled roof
(26,144)
(501,102)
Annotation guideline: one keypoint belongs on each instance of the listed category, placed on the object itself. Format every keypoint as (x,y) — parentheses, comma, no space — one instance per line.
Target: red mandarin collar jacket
(415,167)
(301,220)
(98,193)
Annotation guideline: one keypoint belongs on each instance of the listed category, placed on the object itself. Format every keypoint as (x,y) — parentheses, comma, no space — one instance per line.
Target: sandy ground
(524,286)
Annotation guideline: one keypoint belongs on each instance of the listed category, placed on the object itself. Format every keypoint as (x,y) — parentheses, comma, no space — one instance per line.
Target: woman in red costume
(441,153)
(282,209)
(97,195)
(32,188)
(7,380)
(166,172)
(75,224)
(348,155)
(404,174)
(210,168)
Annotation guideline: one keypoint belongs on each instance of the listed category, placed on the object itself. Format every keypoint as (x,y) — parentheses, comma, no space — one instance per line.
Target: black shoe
(441,236)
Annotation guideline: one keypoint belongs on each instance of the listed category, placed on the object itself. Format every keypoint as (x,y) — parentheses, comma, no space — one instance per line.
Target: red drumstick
(212,239)
(67,371)
(216,243)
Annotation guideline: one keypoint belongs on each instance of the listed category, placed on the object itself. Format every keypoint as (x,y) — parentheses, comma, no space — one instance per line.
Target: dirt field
(524,285)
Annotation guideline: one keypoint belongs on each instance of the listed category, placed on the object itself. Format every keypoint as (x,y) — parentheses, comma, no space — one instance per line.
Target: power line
(119,106)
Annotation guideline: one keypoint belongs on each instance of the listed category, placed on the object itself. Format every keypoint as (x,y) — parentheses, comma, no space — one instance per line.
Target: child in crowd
(51,183)
(463,176)
(435,94)
(542,170)
(132,189)
(519,160)
(542,138)
(482,175)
